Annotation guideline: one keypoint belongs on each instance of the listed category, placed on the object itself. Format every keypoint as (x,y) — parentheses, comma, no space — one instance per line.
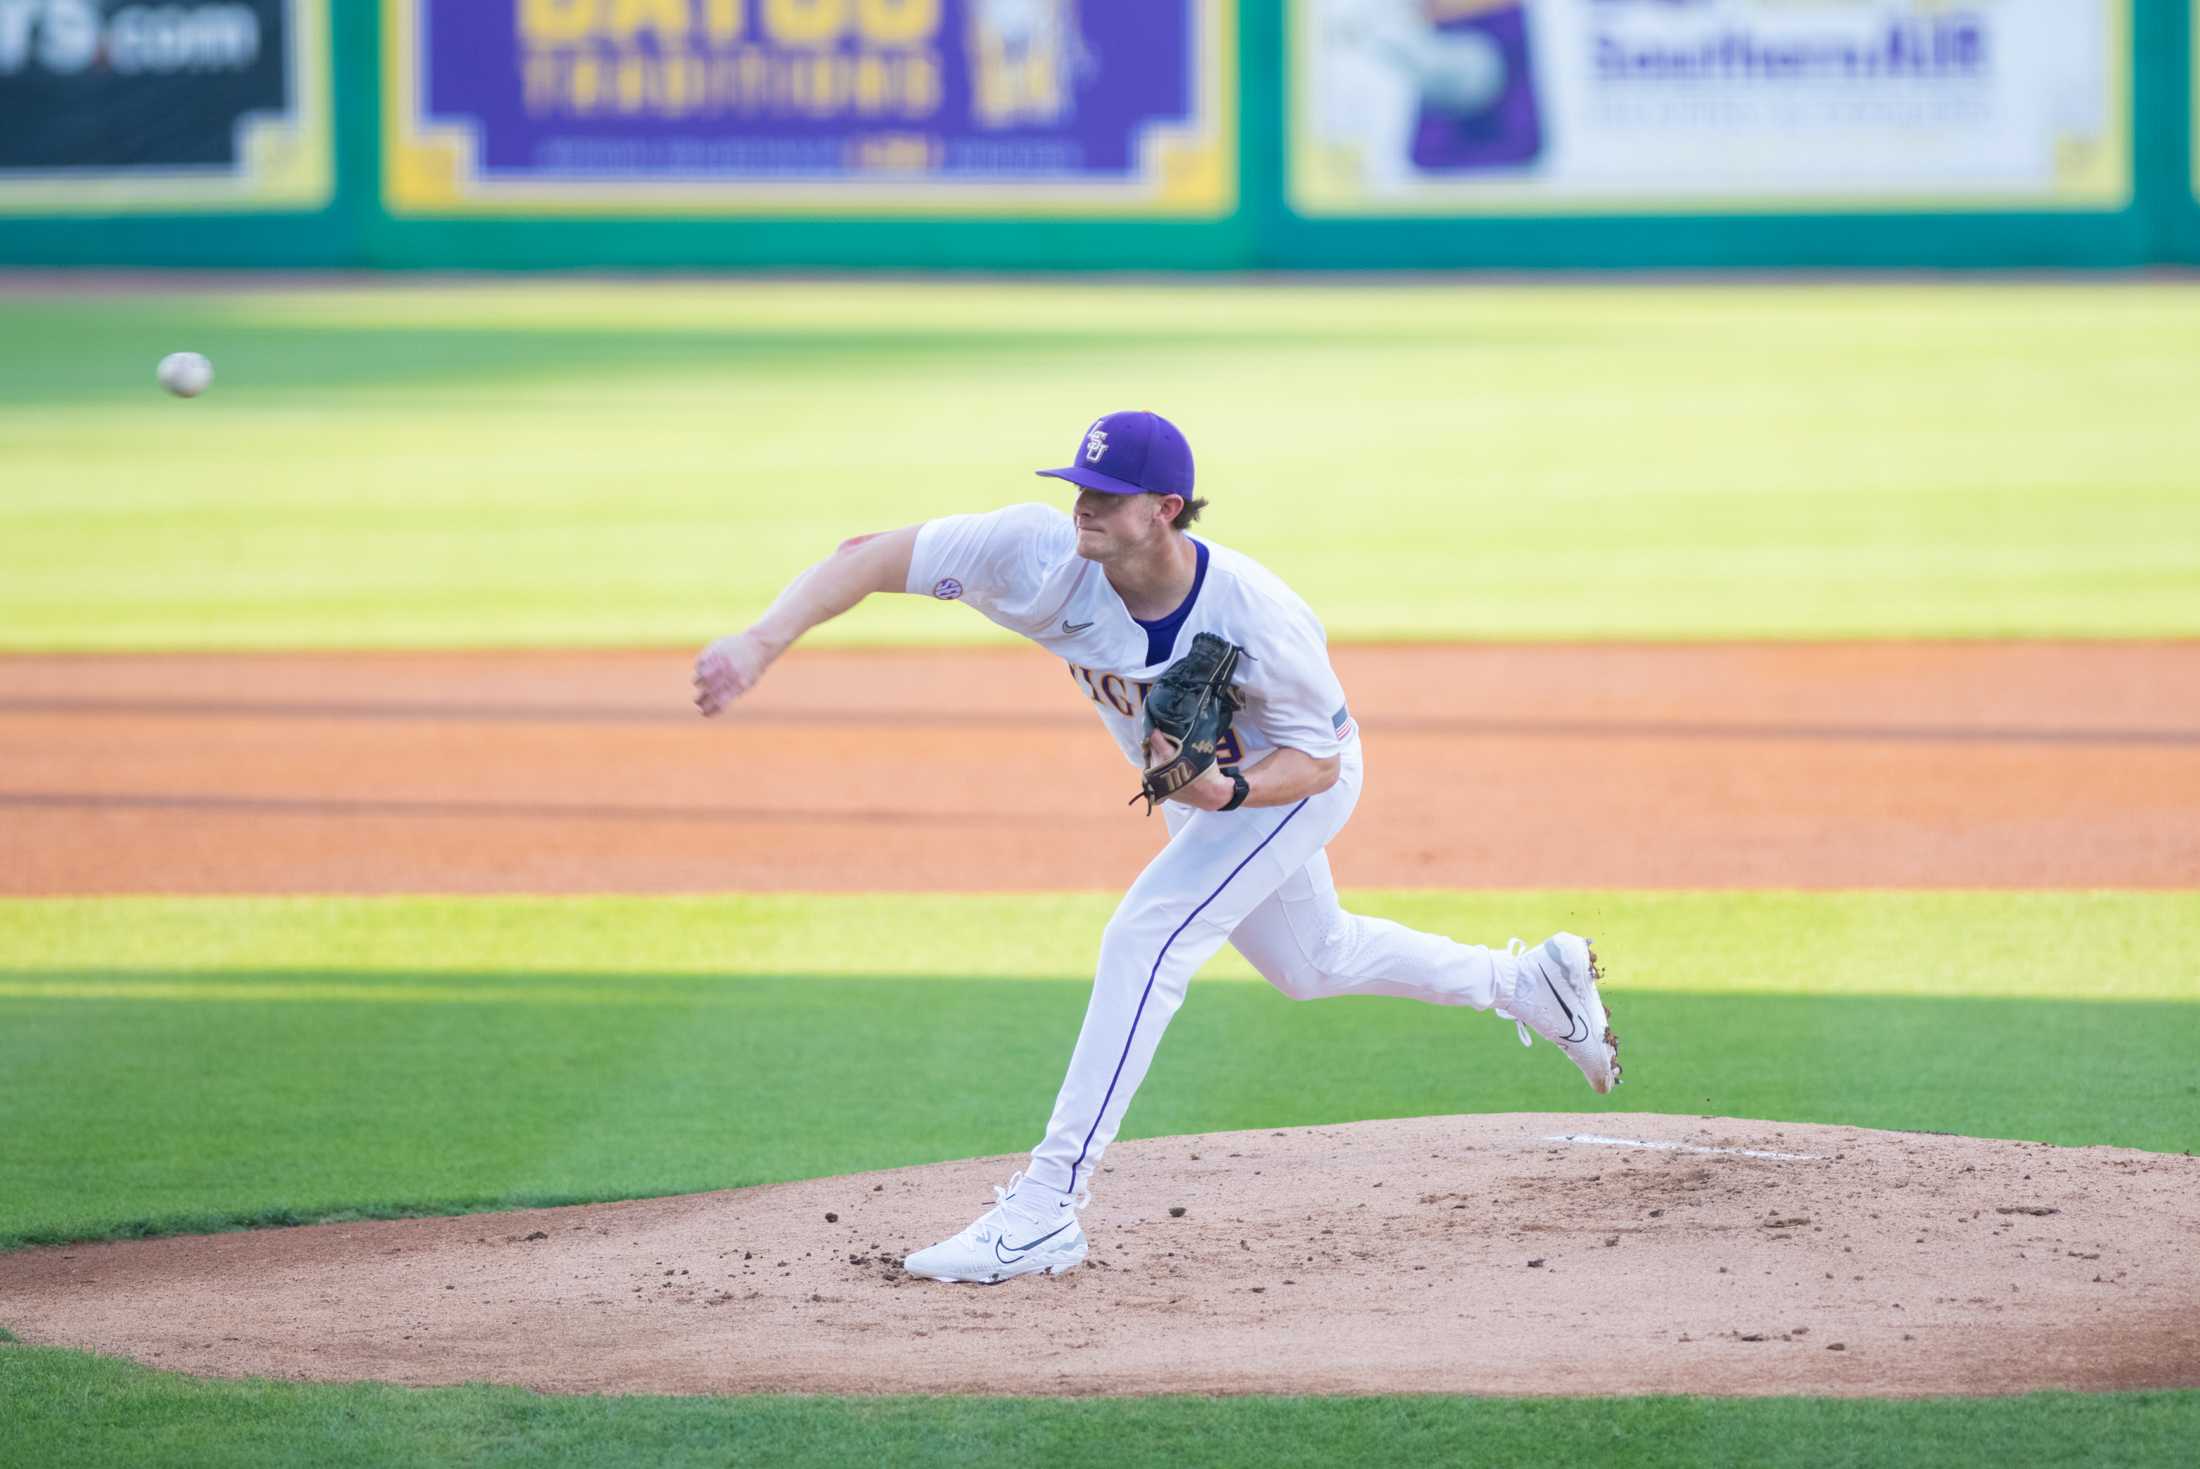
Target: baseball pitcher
(1213,678)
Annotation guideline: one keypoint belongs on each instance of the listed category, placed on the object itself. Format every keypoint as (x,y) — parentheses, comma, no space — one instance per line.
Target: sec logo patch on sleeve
(947,589)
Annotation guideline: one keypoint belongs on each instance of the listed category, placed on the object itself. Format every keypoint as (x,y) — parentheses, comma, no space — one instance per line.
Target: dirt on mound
(1533,1254)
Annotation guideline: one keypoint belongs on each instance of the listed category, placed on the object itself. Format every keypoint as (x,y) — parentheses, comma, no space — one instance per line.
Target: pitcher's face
(1112,527)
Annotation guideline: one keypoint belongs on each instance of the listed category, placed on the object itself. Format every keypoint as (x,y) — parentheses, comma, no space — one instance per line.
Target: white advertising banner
(1708,106)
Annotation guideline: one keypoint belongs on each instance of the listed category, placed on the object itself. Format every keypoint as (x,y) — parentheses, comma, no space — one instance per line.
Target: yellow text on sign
(872,23)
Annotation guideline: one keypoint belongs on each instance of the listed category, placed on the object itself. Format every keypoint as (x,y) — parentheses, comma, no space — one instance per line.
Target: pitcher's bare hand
(1211,791)
(727,669)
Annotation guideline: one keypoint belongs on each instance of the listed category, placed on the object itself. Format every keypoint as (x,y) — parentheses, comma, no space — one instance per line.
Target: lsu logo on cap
(1096,442)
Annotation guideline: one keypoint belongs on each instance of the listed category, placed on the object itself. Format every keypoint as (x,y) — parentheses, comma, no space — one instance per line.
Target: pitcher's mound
(1613,1253)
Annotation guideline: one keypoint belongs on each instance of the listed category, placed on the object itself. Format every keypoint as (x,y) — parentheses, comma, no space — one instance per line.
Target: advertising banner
(1708,106)
(812,107)
(109,106)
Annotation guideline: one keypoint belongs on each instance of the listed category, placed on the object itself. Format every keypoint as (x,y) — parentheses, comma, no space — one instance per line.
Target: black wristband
(1244,788)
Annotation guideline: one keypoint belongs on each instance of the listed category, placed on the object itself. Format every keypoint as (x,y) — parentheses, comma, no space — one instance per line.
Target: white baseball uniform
(1257,877)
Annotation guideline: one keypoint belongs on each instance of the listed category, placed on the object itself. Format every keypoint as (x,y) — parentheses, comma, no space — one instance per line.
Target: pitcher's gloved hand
(727,669)
(1192,706)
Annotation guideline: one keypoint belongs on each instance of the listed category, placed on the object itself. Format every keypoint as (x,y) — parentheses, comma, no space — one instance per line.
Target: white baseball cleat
(1554,994)
(1017,1236)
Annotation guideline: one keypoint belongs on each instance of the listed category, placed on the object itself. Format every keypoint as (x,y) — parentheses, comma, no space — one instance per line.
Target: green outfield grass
(231,1062)
(593,463)
(88,1413)
(2052,945)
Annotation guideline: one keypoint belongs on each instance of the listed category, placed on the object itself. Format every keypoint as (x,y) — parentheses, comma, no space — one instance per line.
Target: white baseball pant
(1260,879)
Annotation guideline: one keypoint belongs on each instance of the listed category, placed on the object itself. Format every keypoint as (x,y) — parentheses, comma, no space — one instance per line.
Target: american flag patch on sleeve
(1342,719)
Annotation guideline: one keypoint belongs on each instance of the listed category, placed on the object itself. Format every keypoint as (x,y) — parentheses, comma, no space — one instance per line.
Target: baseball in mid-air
(186,374)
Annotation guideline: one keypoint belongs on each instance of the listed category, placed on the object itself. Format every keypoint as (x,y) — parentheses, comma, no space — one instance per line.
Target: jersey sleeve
(1294,693)
(996,561)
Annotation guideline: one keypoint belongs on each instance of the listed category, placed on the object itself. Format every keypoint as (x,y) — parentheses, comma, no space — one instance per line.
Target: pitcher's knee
(1316,969)
(1299,984)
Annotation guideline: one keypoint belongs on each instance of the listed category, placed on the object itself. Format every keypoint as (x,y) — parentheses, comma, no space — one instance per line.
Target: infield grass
(91,1413)
(226,1062)
(592,463)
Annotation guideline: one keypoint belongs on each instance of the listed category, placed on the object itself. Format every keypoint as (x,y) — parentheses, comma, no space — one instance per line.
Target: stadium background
(2155,217)
(416,907)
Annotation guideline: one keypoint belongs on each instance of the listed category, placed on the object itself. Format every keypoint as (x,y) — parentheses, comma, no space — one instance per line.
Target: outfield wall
(1260,141)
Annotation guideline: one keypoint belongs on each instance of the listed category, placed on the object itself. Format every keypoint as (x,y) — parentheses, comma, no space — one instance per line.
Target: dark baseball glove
(1193,705)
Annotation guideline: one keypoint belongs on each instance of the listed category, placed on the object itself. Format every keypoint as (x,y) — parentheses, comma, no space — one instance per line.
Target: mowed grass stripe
(125,1118)
(91,1413)
(642,950)
(560,465)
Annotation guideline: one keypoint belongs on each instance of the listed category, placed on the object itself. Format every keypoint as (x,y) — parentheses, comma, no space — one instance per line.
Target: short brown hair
(1184,518)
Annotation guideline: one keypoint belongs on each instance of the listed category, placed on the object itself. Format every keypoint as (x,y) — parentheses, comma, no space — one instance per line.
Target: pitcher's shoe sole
(1603,1072)
(1001,1277)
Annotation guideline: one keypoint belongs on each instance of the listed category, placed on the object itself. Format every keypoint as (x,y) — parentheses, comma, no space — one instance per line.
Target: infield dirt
(1731,765)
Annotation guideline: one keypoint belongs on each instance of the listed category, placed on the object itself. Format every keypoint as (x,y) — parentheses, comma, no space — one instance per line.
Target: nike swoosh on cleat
(1074,628)
(1022,1249)
(1573,1022)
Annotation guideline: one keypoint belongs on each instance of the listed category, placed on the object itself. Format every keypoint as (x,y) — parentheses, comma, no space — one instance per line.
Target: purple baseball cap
(1131,454)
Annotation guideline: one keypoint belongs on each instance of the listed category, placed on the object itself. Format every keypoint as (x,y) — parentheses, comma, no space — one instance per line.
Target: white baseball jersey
(1256,877)
(1020,567)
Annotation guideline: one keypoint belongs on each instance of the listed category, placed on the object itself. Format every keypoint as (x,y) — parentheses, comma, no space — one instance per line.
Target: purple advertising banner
(749,106)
